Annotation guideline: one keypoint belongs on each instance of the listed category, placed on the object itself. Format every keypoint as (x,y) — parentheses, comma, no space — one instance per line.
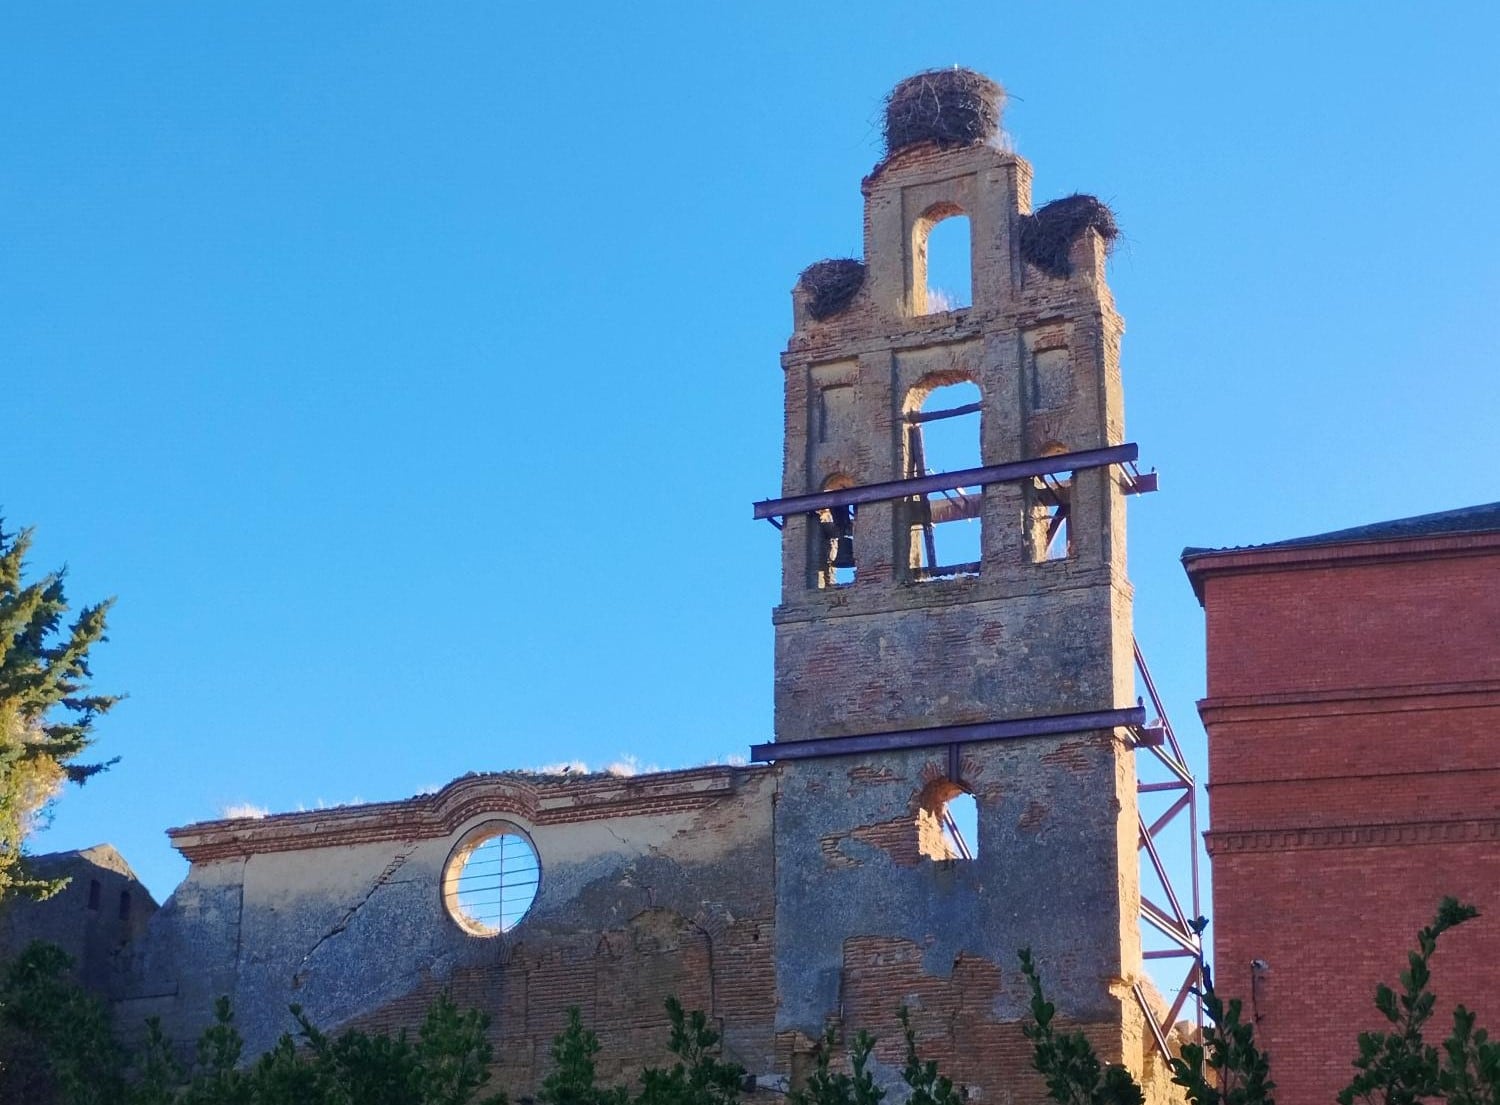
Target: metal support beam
(1156,1030)
(951,412)
(948,481)
(821,747)
(1175,922)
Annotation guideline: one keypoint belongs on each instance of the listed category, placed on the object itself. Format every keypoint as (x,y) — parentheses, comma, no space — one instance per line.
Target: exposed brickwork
(953,1015)
(670,894)
(1354,694)
(871,902)
(620,980)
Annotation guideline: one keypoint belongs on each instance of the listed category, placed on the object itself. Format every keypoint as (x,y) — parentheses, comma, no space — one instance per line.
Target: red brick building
(1353,718)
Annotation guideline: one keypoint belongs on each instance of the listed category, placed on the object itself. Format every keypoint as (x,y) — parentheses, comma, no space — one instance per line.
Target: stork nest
(1049,232)
(952,107)
(831,285)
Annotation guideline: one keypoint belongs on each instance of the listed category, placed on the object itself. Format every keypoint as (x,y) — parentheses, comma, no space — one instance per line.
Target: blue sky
(408,370)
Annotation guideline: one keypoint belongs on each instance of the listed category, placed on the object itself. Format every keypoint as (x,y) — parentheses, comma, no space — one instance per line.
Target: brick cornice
(1353,836)
(1346,701)
(531,798)
(1202,566)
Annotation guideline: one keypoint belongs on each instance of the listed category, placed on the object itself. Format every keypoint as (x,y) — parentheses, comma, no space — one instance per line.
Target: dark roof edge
(1475,521)
(1484,518)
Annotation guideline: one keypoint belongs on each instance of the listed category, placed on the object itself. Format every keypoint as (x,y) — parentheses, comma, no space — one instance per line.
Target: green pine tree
(928,1087)
(217,1080)
(1399,1067)
(46,713)
(572,1081)
(826,1086)
(56,1047)
(1074,1073)
(453,1055)
(701,1076)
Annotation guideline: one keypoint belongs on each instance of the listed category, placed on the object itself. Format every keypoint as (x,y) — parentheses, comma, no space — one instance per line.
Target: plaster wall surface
(1045,876)
(643,893)
(870,915)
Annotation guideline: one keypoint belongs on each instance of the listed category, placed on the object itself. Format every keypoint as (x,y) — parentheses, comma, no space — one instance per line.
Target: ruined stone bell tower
(908,675)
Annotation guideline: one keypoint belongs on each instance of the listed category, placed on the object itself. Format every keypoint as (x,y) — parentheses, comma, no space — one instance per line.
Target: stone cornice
(531,798)
(1353,836)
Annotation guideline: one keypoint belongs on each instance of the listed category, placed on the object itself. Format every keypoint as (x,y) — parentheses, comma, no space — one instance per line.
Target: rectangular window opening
(833,546)
(1050,521)
(945,534)
(943,527)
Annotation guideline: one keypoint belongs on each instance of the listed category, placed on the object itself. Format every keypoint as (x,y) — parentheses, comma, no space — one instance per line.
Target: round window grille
(491,880)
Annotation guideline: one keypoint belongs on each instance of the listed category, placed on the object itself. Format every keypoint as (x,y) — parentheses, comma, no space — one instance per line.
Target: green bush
(56,1048)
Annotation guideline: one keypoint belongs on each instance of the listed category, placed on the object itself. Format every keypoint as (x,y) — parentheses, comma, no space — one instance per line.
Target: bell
(843,556)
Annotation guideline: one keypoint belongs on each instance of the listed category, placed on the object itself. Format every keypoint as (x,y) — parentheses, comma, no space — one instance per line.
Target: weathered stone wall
(650,886)
(870,915)
(1025,635)
(100,910)
(870,922)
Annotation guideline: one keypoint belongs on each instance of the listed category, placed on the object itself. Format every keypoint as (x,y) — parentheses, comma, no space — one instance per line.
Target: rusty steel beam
(948,481)
(951,412)
(1165,924)
(1011,729)
(1156,1030)
(955,510)
(1171,784)
(1172,811)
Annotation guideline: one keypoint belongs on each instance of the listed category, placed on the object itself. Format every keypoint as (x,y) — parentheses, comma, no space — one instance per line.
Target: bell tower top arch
(913,597)
(955,615)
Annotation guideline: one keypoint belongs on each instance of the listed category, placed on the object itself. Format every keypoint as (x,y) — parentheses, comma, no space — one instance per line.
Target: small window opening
(942,261)
(836,530)
(491,880)
(948,822)
(94,890)
(833,540)
(124,905)
(1049,515)
(945,530)
(949,277)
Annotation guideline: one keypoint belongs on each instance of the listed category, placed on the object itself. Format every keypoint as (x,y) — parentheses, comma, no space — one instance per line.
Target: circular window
(491,879)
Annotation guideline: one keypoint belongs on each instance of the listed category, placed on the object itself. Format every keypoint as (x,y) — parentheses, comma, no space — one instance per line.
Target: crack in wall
(385,876)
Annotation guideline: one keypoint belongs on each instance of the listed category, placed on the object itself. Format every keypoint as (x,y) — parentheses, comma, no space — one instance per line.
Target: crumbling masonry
(829,881)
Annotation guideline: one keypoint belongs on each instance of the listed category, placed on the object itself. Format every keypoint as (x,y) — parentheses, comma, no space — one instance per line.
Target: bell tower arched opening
(942,260)
(941,430)
(833,539)
(1049,510)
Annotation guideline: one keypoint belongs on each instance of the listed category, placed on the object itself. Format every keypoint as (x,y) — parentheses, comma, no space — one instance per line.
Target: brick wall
(1354,777)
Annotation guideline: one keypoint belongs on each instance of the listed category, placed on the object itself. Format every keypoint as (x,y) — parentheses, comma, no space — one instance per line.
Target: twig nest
(831,285)
(1049,232)
(952,107)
